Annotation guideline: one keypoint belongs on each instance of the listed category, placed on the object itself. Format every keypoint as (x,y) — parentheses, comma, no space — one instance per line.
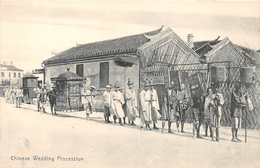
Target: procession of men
(128,105)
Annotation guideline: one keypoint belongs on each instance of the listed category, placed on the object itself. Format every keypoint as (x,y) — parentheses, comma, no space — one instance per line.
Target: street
(33,139)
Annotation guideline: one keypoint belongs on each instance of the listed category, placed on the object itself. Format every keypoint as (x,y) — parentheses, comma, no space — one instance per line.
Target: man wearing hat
(38,90)
(52,99)
(123,103)
(88,100)
(131,103)
(150,105)
(117,102)
(155,108)
(18,96)
(108,103)
(43,97)
(145,114)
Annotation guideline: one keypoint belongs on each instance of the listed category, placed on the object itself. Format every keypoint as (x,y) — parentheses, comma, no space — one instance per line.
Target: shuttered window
(104,74)
(80,70)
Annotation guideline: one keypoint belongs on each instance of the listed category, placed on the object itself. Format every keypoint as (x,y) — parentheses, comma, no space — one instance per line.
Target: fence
(156,73)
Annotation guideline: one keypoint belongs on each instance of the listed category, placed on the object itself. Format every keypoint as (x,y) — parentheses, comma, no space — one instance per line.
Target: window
(14,75)
(2,74)
(19,75)
(79,70)
(9,74)
(104,74)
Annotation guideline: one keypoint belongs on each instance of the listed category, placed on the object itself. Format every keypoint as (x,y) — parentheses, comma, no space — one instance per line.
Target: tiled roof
(200,44)
(251,53)
(10,67)
(29,76)
(128,44)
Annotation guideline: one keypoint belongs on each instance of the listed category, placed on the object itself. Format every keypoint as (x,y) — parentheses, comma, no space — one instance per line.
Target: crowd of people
(13,94)
(121,104)
(206,109)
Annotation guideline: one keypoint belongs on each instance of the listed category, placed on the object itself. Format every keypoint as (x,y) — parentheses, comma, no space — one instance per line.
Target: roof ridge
(146,33)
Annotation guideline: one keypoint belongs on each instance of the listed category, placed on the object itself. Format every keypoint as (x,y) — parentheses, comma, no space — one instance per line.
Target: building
(108,61)
(10,74)
(225,53)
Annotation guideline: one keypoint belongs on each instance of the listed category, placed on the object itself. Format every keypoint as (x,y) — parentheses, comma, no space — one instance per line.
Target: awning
(126,60)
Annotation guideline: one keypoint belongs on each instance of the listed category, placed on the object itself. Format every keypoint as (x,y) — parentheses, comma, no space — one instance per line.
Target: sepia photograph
(129,84)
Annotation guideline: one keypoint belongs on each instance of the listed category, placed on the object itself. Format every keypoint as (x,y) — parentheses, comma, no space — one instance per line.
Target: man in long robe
(131,103)
(146,116)
(117,103)
(108,103)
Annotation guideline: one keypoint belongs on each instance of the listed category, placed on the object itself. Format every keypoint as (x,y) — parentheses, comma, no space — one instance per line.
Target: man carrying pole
(170,107)
(238,103)
(183,106)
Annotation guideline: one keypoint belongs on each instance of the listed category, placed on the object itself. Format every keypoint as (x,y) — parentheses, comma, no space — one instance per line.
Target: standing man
(131,103)
(145,99)
(52,99)
(38,90)
(238,103)
(154,105)
(43,97)
(218,102)
(182,106)
(7,93)
(123,104)
(18,96)
(118,101)
(198,116)
(12,95)
(108,103)
(170,107)
(88,101)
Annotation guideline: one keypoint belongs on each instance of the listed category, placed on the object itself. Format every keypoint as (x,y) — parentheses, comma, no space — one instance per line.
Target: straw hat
(108,86)
(93,87)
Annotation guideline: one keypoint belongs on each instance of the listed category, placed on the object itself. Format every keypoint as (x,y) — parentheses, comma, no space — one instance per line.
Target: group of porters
(206,110)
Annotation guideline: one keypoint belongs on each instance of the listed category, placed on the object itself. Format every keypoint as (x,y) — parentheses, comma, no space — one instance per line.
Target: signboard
(195,86)
(38,71)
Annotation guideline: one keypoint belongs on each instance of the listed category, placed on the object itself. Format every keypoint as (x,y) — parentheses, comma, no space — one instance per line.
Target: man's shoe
(234,140)
(170,131)
(155,128)
(200,137)
(238,140)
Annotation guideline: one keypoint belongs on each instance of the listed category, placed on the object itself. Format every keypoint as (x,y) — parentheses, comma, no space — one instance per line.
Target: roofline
(90,59)
(78,45)
(176,36)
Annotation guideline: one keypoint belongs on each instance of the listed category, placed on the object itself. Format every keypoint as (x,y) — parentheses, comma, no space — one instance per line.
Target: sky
(30,31)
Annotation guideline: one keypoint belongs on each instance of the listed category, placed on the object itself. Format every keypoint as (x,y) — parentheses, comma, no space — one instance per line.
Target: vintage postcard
(129,84)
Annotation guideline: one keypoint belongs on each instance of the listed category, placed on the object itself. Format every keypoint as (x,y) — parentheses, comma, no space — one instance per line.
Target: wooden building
(225,53)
